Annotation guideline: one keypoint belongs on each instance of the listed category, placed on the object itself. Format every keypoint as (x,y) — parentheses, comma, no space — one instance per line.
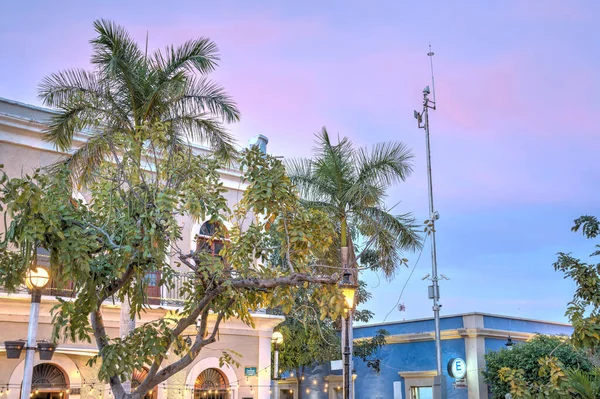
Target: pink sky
(514,140)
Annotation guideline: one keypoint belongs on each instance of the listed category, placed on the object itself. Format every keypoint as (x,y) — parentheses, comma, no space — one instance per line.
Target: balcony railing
(156,294)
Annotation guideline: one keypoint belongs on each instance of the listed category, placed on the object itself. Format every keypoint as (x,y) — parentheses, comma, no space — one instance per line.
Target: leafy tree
(557,382)
(350,185)
(129,88)
(526,356)
(129,227)
(584,310)
(310,340)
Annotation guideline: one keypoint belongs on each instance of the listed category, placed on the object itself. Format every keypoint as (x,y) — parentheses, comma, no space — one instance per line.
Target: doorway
(48,395)
(422,393)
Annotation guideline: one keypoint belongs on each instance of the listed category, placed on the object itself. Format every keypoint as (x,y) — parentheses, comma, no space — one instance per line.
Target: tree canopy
(129,88)
(526,357)
(129,226)
(350,184)
(584,310)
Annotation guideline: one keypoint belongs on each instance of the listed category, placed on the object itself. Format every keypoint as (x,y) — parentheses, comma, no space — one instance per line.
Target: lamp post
(36,279)
(276,339)
(348,289)
(509,343)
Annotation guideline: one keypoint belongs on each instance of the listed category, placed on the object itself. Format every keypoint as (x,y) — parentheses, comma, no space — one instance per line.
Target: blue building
(408,360)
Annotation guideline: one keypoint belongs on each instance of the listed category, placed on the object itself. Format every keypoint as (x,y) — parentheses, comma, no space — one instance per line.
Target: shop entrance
(48,395)
(48,382)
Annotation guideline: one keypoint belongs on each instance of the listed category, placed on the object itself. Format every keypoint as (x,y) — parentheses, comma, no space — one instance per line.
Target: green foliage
(556,381)
(128,89)
(350,185)
(525,357)
(130,226)
(584,310)
(310,339)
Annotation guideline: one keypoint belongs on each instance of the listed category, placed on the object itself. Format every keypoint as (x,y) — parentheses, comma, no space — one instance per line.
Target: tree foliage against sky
(350,184)
(129,227)
(128,88)
(584,310)
(543,372)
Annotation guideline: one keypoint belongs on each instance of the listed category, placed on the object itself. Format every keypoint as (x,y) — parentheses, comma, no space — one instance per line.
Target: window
(211,238)
(422,393)
(286,394)
(211,384)
(137,378)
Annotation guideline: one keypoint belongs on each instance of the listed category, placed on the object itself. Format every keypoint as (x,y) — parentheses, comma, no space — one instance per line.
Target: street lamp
(36,279)
(348,289)
(276,339)
(509,343)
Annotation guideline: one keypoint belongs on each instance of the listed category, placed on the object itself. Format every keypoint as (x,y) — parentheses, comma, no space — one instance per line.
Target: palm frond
(199,55)
(202,96)
(364,195)
(386,164)
(58,88)
(202,128)
(114,50)
(311,188)
(402,227)
(390,235)
(333,163)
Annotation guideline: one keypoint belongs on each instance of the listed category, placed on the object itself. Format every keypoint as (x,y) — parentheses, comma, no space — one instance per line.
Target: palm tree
(129,88)
(350,184)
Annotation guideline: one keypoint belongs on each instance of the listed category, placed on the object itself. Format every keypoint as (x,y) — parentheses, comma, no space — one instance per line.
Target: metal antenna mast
(434,291)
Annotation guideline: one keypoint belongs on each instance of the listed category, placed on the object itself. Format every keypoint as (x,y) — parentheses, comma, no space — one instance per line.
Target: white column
(264,365)
(474,353)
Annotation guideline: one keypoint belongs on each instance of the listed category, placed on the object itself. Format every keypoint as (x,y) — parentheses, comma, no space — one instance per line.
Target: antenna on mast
(430,54)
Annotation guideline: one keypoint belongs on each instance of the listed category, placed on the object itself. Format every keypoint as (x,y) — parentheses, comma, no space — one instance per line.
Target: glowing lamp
(37,279)
(277,338)
(348,290)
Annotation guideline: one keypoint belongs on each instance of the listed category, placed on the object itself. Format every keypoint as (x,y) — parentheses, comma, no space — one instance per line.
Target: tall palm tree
(128,88)
(350,184)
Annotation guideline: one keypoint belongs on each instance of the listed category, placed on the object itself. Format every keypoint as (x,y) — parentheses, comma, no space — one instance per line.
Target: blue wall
(502,323)
(409,327)
(414,356)
(418,356)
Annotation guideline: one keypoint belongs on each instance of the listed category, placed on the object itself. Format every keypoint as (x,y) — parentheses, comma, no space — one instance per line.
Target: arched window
(211,238)
(137,378)
(211,384)
(48,381)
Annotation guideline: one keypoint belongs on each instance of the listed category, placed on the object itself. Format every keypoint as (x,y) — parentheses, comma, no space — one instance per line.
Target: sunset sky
(515,139)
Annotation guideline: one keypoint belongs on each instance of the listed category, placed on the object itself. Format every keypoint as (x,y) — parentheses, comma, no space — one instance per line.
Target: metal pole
(276,373)
(432,218)
(347,375)
(36,296)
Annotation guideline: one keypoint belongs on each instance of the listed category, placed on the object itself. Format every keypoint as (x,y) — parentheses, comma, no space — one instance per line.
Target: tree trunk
(300,375)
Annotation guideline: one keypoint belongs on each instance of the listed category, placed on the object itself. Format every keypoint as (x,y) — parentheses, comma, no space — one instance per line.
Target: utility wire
(407,280)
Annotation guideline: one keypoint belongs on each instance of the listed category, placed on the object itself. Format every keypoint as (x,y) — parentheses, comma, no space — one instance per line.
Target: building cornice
(455,334)
(417,374)
(463,315)
(26,132)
